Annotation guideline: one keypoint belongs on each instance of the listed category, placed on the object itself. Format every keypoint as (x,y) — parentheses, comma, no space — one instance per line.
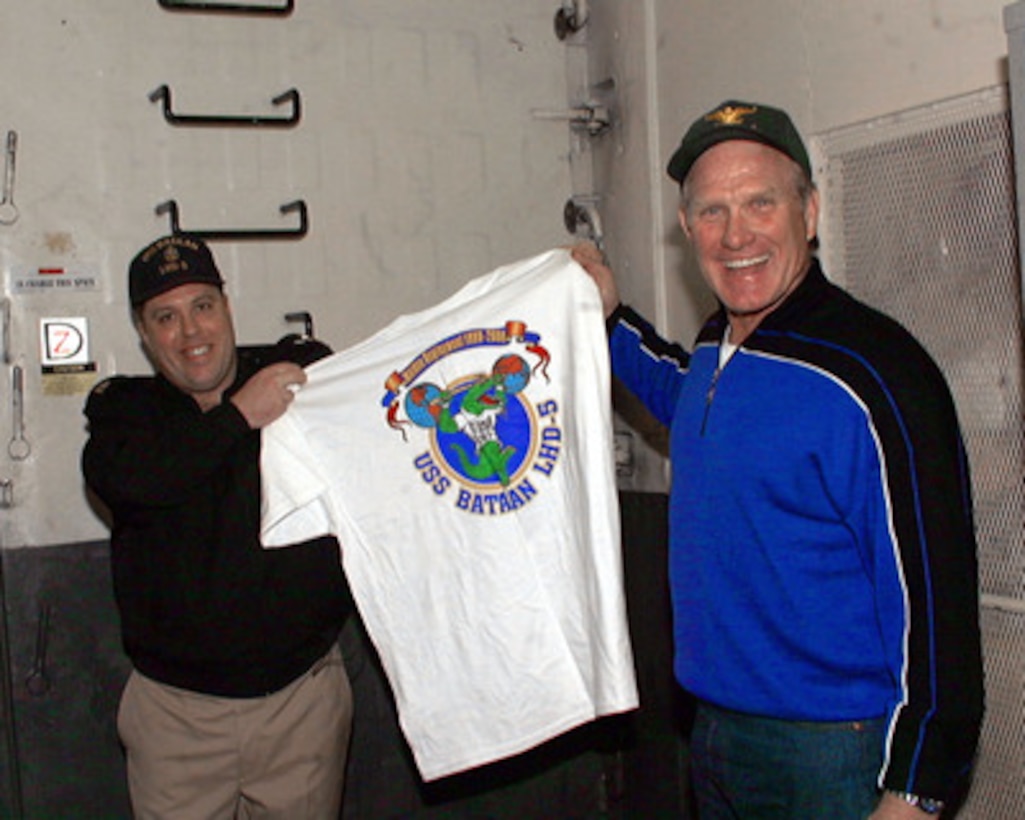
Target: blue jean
(753,768)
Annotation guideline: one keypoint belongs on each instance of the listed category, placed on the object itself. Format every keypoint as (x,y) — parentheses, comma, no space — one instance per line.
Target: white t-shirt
(463,456)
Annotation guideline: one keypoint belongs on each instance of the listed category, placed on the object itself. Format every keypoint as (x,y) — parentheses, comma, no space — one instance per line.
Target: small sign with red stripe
(52,279)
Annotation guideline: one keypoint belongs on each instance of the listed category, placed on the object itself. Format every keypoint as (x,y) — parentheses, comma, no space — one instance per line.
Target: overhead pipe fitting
(570,18)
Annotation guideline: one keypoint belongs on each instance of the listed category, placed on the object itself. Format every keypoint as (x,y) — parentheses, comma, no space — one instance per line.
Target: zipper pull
(709,396)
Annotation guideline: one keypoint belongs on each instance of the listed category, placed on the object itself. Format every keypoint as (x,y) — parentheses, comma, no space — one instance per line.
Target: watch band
(926,804)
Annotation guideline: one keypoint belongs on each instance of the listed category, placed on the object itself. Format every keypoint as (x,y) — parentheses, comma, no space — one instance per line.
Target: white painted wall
(418,156)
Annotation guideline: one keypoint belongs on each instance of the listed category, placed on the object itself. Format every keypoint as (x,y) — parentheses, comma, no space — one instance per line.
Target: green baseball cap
(735,120)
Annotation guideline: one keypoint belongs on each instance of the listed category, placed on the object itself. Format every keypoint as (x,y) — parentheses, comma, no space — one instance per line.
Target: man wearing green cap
(822,550)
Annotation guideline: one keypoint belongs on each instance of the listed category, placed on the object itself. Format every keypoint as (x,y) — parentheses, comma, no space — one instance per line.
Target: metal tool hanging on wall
(170,207)
(18,447)
(231,120)
(5,330)
(8,210)
(228,8)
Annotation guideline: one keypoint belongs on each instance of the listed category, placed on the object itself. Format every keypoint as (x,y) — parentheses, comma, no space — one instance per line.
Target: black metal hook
(306,318)
(236,120)
(232,234)
(227,8)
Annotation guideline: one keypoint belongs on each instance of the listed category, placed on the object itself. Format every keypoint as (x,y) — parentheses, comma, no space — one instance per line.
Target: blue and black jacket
(822,548)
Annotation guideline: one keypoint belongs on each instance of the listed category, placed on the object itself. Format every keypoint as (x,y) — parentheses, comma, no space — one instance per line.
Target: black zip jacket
(203,605)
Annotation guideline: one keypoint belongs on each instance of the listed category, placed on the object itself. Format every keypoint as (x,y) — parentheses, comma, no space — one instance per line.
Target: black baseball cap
(178,259)
(735,120)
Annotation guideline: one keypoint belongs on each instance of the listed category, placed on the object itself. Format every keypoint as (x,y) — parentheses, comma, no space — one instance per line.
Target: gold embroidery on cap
(730,115)
(173,263)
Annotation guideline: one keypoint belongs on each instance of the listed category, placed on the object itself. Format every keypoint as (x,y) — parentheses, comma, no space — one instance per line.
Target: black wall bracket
(231,120)
(170,207)
(228,8)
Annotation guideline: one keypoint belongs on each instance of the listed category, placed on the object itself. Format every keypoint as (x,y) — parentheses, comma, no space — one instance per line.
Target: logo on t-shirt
(488,442)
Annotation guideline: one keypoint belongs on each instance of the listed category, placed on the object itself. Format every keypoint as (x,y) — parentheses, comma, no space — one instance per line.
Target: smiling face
(189,336)
(744,212)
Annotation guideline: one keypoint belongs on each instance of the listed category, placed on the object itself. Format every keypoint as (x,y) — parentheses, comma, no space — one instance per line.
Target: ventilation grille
(919,221)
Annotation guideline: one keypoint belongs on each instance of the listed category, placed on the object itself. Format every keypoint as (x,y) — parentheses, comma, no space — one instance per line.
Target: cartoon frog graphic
(473,409)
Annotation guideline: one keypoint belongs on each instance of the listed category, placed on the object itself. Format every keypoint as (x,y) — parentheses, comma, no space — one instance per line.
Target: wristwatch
(926,804)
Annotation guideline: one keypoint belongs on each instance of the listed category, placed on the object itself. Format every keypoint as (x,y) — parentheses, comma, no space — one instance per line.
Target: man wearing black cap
(822,548)
(238,704)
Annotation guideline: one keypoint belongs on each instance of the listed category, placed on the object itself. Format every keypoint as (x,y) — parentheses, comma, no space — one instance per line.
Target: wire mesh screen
(919,221)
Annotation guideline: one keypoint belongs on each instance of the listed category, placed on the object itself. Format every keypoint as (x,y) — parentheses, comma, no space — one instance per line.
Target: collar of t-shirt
(726,349)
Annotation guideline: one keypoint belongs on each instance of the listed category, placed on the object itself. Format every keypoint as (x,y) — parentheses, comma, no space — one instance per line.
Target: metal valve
(592,118)
(570,18)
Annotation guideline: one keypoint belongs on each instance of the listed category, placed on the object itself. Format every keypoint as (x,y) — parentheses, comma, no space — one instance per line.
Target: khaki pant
(194,756)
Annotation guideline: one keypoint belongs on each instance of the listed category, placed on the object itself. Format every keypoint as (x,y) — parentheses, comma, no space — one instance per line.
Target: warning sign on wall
(64,341)
(64,350)
(54,280)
